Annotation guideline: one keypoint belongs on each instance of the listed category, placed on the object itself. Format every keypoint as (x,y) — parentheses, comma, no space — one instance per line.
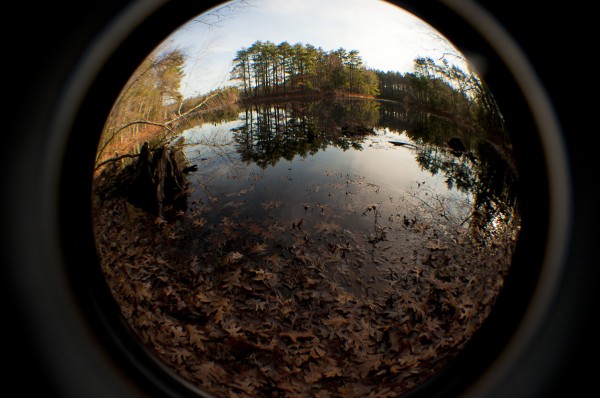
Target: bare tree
(151,101)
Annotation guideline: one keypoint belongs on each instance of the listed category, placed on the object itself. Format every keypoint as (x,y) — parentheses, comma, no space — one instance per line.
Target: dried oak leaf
(178,333)
(274,259)
(373,362)
(259,248)
(199,223)
(233,257)
(294,335)
(314,374)
(247,383)
(333,371)
(233,280)
(179,355)
(232,329)
(210,372)
(220,308)
(317,352)
(196,338)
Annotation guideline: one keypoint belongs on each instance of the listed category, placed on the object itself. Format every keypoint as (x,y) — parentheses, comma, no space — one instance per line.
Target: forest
(151,108)
(265,69)
(444,90)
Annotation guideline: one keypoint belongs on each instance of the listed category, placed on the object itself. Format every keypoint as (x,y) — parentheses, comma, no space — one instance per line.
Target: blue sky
(387,37)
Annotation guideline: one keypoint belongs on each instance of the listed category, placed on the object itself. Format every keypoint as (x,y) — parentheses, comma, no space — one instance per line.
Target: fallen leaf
(196,337)
(314,374)
(179,355)
(295,335)
(232,329)
(333,372)
(199,222)
(259,248)
(274,259)
(233,257)
(234,279)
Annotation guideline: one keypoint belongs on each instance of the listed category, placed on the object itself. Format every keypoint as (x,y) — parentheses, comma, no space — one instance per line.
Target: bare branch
(123,127)
(214,17)
(116,159)
(192,109)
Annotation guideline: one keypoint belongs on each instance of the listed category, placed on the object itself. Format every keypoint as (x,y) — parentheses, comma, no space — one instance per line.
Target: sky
(387,37)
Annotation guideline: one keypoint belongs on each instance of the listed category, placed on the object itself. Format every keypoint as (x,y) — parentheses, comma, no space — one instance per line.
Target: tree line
(265,69)
(151,103)
(445,90)
(151,107)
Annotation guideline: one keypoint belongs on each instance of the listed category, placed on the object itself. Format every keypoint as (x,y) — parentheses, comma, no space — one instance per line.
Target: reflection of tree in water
(495,196)
(481,171)
(270,133)
(489,183)
(285,130)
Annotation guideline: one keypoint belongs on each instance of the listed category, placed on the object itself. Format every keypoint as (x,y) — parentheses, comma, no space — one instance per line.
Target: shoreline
(303,96)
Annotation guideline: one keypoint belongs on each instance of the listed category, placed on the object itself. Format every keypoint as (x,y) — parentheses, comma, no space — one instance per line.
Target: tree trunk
(157,180)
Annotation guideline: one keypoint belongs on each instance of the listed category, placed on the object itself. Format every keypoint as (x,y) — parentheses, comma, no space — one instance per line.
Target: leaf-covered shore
(261,307)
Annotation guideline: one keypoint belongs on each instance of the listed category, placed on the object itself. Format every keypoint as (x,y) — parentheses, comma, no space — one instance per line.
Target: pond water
(322,245)
(315,177)
(285,164)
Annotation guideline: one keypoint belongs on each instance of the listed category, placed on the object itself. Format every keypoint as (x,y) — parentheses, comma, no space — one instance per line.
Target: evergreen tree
(265,68)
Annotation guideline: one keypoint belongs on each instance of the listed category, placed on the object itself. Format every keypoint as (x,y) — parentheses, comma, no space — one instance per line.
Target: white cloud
(387,37)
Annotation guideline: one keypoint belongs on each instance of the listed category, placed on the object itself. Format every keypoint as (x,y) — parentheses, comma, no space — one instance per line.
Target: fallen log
(401,143)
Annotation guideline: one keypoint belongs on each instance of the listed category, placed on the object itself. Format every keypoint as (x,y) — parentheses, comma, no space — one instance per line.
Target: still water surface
(274,164)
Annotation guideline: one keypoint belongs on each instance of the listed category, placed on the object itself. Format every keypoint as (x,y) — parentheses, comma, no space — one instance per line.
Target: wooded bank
(151,109)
